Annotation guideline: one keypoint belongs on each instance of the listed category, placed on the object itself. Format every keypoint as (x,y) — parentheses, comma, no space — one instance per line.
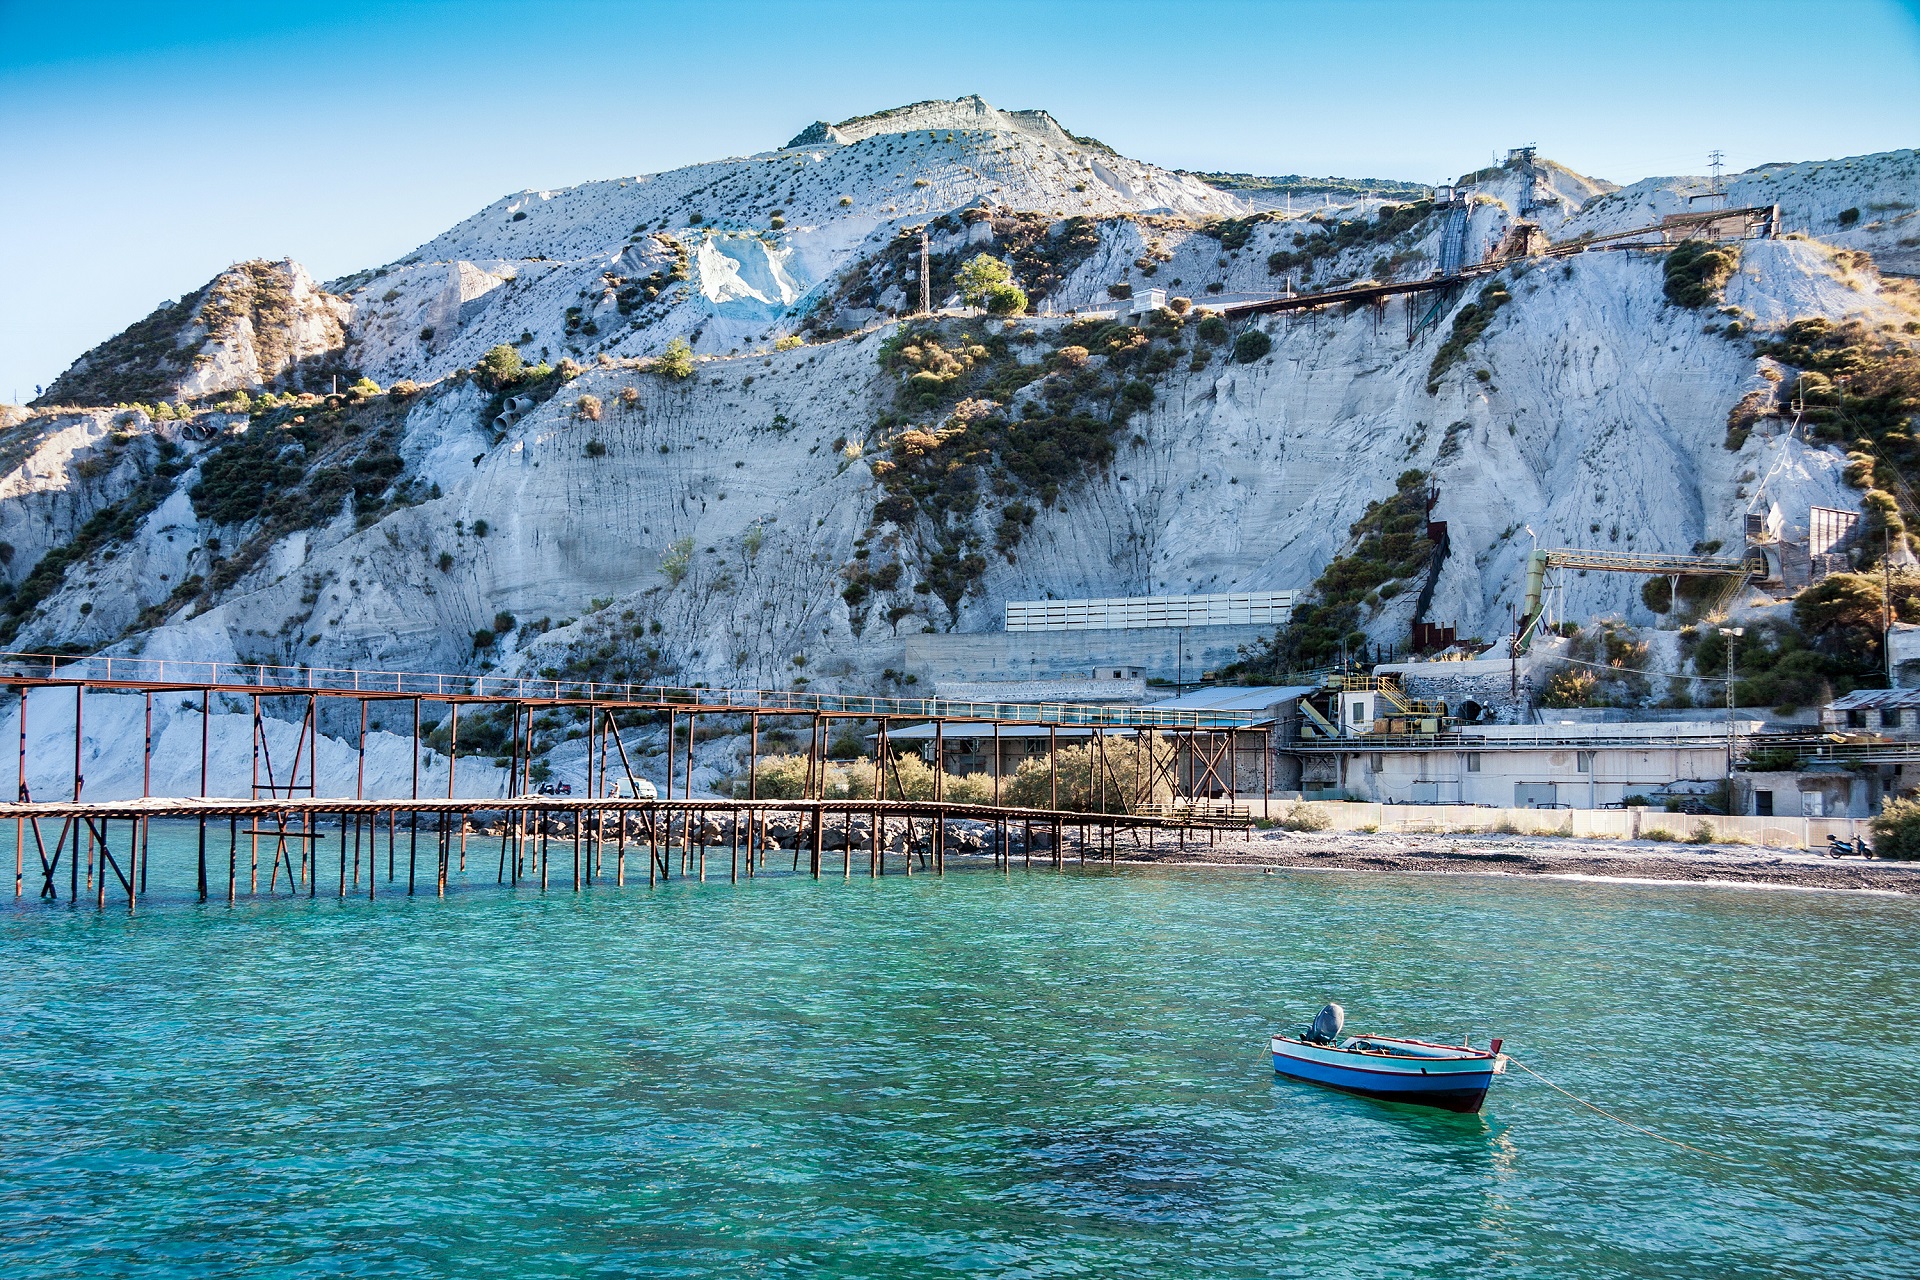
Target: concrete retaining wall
(1050,655)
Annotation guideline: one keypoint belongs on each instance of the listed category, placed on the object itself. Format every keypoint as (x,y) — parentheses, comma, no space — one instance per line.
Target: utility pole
(1886,603)
(1715,161)
(926,285)
(1731,634)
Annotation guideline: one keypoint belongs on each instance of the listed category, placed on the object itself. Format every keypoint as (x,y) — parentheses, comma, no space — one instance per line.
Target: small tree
(1006,300)
(982,277)
(1251,346)
(676,559)
(676,361)
(500,367)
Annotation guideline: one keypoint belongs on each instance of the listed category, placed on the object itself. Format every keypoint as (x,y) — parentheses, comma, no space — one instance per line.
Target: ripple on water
(1028,1075)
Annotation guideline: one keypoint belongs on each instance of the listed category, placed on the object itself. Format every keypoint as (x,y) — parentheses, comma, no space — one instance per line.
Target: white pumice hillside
(272,471)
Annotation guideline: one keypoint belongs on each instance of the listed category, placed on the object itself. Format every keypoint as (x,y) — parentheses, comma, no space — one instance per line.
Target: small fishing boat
(1451,1076)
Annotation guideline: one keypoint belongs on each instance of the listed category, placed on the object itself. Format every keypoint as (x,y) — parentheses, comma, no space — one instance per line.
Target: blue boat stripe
(1382,1081)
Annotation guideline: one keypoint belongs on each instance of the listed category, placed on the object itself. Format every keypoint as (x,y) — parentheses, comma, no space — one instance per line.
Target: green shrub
(1121,290)
(981,277)
(1251,345)
(1896,831)
(1300,816)
(1849,216)
(1006,300)
(1468,324)
(500,367)
(1696,271)
(1212,329)
(1089,780)
(1389,544)
(1771,760)
(596,449)
(676,361)
(676,560)
(483,639)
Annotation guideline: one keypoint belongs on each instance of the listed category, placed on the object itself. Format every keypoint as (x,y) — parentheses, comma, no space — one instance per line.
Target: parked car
(633,789)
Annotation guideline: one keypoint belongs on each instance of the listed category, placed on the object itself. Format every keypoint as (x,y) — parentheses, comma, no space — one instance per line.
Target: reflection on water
(1026,1074)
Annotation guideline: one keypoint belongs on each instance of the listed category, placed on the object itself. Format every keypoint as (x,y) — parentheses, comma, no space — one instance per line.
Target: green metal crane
(1656,565)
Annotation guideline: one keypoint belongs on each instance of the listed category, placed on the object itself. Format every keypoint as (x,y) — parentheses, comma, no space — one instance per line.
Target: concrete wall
(1051,655)
(1551,775)
(1616,824)
(1828,794)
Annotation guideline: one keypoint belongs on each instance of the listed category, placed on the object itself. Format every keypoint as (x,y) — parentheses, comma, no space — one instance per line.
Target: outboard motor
(1326,1025)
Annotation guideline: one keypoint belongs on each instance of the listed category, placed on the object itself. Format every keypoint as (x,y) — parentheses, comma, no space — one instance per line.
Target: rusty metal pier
(1175,749)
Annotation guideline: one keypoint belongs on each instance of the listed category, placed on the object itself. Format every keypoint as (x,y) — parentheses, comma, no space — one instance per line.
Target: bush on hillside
(1468,324)
(1696,272)
(676,361)
(1006,300)
(982,278)
(500,367)
(1251,346)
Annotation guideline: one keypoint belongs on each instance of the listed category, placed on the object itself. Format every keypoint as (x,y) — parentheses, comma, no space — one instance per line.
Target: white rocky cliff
(722,526)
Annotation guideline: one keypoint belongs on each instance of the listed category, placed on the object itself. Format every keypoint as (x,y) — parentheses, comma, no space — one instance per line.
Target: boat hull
(1451,1084)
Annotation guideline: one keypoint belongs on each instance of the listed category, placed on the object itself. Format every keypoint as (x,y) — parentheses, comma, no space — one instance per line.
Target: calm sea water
(1006,1075)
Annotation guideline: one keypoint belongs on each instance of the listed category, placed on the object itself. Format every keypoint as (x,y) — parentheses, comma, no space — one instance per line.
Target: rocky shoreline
(1534,856)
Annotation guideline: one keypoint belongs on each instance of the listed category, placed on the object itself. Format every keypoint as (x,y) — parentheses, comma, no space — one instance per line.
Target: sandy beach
(1643,860)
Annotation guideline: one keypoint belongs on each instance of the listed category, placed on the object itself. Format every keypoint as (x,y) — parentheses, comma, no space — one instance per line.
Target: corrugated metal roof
(1234,697)
(1861,699)
(959,729)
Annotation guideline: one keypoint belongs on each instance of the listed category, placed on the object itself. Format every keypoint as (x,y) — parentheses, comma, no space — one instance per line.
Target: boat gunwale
(1465,1054)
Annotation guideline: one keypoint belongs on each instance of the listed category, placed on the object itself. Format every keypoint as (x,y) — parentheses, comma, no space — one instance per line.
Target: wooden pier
(103,843)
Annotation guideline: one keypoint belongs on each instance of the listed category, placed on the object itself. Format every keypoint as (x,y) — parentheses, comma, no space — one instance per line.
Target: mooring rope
(1711,1155)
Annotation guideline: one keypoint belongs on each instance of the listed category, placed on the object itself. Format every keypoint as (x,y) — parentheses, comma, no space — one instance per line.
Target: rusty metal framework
(286,814)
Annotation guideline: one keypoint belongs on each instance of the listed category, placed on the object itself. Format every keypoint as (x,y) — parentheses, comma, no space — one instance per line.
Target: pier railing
(268,679)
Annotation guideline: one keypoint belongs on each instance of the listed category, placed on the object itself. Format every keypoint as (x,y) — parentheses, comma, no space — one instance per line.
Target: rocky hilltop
(686,426)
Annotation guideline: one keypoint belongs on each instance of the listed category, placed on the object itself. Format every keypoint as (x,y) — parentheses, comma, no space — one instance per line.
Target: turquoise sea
(1025,1074)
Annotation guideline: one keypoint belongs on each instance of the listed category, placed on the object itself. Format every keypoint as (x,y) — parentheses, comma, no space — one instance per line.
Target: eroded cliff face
(715,527)
(255,324)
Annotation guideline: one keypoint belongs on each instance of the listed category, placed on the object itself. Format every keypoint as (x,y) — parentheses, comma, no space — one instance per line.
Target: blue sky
(146,146)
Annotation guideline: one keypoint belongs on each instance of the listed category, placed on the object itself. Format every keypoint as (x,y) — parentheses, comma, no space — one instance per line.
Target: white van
(634,789)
